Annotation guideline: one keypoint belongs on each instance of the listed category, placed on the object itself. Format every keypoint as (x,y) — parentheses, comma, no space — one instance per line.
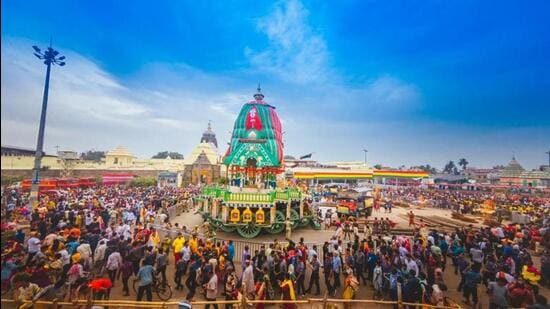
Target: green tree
(463,163)
(92,155)
(165,154)
(377,166)
(143,182)
(449,168)
(426,168)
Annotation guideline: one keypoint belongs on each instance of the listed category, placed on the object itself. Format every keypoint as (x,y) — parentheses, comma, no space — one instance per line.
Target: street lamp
(50,56)
(365,151)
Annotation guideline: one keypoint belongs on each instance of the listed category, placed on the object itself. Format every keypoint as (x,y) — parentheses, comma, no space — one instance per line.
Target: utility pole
(50,56)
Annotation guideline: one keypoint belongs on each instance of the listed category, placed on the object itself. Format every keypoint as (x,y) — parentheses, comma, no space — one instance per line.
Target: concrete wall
(23,162)
(27,162)
(26,173)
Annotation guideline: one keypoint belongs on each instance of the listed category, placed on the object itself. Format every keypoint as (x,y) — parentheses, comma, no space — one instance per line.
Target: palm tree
(463,162)
(449,167)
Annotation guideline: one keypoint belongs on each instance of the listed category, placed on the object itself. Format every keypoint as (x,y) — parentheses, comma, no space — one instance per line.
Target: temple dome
(206,149)
(209,136)
(513,168)
(119,151)
(257,134)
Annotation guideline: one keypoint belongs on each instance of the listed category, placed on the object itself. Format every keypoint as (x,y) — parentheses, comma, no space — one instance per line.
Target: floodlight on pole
(50,57)
(365,151)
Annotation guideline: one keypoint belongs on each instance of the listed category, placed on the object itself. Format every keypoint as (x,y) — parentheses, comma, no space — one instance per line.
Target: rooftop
(119,151)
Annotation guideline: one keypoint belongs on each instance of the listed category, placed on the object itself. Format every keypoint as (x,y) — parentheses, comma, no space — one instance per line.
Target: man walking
(145,278)
(212,289)
(314,278)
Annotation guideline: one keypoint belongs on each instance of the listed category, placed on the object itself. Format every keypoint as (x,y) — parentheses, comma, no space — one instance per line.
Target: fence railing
(242,303)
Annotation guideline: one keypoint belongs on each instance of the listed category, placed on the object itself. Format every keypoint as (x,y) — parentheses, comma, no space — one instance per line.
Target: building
(19,152)
(20,162)
(119,157)
(209,136)
(480,175)
(515,175)
(169,179)
(202,166)
(354,172)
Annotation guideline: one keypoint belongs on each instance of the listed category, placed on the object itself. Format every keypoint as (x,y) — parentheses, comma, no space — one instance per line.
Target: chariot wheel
(227,229)
(215,224)
(279,224)
(304,221)
(315,224)
(249,230)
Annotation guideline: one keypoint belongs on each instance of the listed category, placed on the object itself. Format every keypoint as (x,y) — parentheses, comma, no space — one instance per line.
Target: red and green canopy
(257,136)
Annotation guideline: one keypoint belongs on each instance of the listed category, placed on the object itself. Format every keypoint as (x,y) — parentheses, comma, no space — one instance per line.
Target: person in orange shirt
(75,233)
(66,233)
(194,243)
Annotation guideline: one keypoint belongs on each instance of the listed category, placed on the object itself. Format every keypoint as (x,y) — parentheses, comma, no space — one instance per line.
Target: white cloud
(90,108)
(299,55)
(166,106)
(296,52)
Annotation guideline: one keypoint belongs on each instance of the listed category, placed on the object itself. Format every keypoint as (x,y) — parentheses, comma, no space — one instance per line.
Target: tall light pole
(50,56)
(365,151)
(548,153)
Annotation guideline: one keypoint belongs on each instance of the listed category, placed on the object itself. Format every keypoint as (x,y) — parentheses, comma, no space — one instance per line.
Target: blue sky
(414,82)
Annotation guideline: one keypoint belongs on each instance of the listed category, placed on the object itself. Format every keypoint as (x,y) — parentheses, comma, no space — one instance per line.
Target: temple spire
(259,96)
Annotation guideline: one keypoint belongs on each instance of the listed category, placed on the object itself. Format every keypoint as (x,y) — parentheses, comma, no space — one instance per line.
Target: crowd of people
(108,237)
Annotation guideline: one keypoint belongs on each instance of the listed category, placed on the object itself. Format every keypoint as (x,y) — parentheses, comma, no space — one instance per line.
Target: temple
(209,136)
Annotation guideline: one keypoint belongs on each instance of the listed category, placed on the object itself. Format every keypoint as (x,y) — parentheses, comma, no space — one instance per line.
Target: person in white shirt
(114,261)
(99,254)
(85,253)
(61,224)
(127,233)
(33,244)
(248,280)
(477,255)
(88,219)
(311,253)
(110,231)
(356,230)
(186,252)
(65,258)
(48,241)
(339,231)
(412,265)
(212,289)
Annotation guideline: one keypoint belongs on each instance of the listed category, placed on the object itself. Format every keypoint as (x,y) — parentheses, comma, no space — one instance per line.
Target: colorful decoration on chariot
(257,136)
(247,215)
(235,215)
(260,216)
(254,159)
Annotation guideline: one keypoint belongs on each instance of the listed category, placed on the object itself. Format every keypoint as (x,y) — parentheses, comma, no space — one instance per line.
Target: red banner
(253,119)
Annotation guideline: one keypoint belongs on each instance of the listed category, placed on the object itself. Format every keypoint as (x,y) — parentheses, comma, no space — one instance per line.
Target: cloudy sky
(414,82)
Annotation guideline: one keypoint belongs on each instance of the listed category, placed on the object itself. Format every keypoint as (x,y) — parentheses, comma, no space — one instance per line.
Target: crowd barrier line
(241,303)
